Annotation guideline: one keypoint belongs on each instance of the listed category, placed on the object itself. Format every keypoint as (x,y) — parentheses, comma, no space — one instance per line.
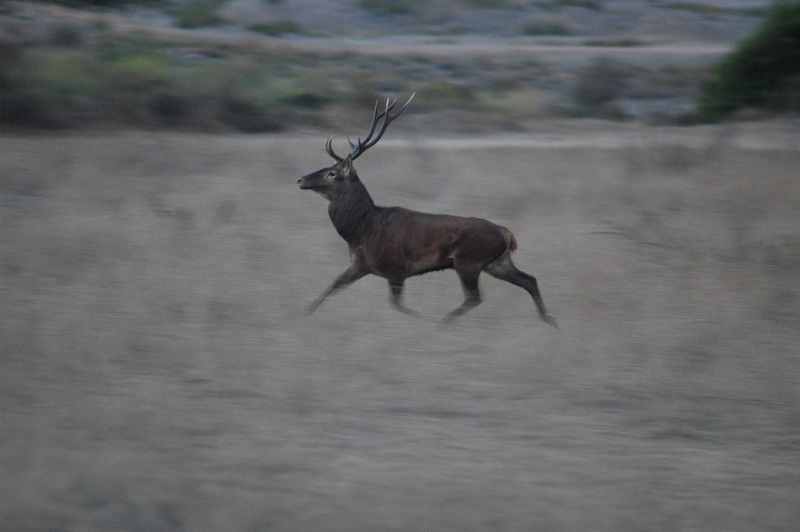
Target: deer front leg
(348,277)
(396,286)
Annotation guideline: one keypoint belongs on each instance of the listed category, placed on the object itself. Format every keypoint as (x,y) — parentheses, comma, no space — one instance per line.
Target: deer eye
(331,173)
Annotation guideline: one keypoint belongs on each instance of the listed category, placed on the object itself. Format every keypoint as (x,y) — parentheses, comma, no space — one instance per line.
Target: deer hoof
(549,318)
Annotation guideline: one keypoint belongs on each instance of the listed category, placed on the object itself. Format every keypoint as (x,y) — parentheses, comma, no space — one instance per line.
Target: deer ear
(347,165)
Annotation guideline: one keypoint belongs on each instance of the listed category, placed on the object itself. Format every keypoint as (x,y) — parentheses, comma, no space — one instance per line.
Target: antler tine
(367,143)
(329,149)
(376,116)
(353,146)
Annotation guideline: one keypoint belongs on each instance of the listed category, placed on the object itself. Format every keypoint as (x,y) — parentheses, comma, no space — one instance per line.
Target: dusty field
(157,373)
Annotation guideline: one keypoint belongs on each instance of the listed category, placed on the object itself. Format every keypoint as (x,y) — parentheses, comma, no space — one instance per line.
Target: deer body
(397,243)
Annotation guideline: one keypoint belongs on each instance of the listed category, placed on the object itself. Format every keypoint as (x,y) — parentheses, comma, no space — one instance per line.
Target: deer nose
(299,180)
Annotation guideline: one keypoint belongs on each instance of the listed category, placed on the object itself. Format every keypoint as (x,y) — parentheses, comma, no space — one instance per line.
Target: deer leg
(348,277)
(472,296)
(396,287)
(504,269)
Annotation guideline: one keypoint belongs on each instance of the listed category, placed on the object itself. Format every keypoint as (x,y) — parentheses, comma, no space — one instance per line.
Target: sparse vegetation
(138,74)
(80,68)
(276,27)
(388,7)
(699,8)
(545,27)
(494,4)
(198,14)
(598,84)
(587,4)
(141,83)
(104,3)
(445,95)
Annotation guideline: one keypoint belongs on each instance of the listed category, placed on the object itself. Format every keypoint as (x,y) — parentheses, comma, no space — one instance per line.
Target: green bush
(48,91)
(139,73)
(759,72)
(198,14)
(110,49)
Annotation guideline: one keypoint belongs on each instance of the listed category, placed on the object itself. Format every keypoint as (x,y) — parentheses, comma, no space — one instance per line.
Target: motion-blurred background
(157,373)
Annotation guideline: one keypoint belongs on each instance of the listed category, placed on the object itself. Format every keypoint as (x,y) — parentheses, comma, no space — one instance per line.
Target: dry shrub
(598,84)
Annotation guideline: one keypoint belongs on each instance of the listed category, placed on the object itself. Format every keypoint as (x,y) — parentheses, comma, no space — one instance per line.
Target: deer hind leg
(345,279)
(472,296)
(504,269)
(396,286)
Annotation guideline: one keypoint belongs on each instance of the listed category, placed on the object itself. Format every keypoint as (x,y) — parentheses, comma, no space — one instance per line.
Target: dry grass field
(157,373)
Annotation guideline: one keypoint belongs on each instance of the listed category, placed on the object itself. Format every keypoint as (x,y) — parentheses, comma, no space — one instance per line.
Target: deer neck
(352,211)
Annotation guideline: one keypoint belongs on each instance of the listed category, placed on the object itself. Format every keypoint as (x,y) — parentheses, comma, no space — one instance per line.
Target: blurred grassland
(157,372)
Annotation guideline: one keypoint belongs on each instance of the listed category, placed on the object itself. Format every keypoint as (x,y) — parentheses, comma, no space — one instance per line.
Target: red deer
(397,243)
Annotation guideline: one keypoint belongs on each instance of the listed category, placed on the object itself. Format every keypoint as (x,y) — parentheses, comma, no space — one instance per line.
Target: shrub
(47,91)
(66,35)
(545,27)
(444,95)
(759,71)
(139,73)
(109,50)
(276,27)
(198,14)
(101,3)
(596,5)
(307,100)
(248,115)
(23,106)
(171,108)
(599,83)
(388,7)
(495,4)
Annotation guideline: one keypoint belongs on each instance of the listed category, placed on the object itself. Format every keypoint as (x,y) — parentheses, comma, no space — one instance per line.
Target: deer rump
(404,243)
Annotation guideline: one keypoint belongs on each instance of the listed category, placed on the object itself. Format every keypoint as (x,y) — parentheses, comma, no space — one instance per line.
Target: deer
(397,243)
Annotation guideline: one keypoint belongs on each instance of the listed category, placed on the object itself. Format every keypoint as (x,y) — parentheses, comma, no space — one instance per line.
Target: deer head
(327,181)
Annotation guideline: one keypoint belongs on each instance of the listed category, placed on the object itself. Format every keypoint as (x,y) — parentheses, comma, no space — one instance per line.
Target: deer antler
(362,146)
(329,149)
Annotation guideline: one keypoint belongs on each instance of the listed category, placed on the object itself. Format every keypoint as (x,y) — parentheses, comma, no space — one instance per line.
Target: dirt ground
(157,372)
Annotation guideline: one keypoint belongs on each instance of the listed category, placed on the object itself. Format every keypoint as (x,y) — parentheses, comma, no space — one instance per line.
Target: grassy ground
(157,373)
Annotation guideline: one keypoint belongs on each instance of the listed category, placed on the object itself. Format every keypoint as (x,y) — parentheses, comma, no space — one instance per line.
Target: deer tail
(512,241)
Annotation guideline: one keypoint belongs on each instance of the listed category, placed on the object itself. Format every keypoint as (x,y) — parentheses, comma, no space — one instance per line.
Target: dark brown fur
(397,243)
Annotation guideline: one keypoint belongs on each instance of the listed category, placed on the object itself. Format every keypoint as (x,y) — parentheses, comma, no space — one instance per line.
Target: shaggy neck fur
(351,210)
